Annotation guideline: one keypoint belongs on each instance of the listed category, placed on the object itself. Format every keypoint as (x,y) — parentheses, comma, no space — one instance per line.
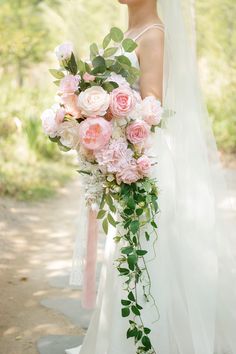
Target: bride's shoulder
(151,41)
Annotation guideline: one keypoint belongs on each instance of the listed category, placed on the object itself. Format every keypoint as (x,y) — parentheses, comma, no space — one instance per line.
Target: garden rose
(60,114)
(51,118)
(138,132)
(151,110)
(64,51)
(69,134)
(88,77)
(95,133)
(94,101)
(128,174)
(119,79)
(69,84)
(144,165)
(70,101)
(122,101)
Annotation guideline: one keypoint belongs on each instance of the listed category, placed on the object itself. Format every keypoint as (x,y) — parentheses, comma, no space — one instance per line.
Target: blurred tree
(23,35)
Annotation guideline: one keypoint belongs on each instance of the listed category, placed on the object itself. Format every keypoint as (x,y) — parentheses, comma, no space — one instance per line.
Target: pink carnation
(122,101)
(115,156)
(138,132)
(144,165)
(95,133)
(69,84)
(128,174)
(152,110)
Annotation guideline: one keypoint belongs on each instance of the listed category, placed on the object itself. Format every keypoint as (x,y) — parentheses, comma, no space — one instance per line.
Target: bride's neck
(141,15)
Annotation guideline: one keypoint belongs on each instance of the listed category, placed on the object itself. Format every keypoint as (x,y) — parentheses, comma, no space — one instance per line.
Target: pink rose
(69,84)
(60,114)
(138,132)
(95,133)
(122,101)
(88,77)
(64,51)
(94,101)
(128,174)
(144,165)
(70,101)
(151,110)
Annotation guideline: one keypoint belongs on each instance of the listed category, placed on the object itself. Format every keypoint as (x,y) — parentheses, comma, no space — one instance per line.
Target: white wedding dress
(191,274)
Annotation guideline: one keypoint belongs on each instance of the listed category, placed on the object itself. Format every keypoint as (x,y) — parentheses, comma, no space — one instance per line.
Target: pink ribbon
(89,285)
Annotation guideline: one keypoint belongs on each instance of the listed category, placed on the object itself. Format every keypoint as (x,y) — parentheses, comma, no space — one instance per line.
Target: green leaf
(124,60)
(123,271)
(141,252)
(125,312)
(129,45)
(81,65)
(134,226)
(128,211)
(111,220)
(127,250)
(125,302)
(132,260)
(147,236)
(101,214)
(109,86)
(72,65)
(98,61)
(106,41)
(139,335)
(57,82)
(131,296)
(109,52)
(109,62)
(139,212)
(146,342)
(105,226)
(135,310)
(116,34)
(154,224)
(132,332)
(131,203)
(58,74)
(93,51)
(147,330)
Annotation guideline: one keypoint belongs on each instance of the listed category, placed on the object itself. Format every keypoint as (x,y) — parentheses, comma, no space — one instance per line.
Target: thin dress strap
(160,26)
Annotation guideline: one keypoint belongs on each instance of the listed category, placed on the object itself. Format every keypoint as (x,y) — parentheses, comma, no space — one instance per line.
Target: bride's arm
(150,52)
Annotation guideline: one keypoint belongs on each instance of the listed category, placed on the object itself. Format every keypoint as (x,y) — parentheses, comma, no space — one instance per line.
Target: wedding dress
(193,273)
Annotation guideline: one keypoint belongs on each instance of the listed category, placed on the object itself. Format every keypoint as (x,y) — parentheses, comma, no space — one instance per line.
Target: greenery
(137,206)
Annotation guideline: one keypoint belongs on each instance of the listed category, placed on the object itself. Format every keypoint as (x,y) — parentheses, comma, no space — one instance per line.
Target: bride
(193,273)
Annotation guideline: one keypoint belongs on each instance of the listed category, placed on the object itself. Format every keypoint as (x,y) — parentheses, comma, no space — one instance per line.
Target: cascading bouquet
(104,119)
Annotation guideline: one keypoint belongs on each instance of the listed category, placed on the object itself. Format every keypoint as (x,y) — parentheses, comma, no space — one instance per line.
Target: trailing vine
(136,206)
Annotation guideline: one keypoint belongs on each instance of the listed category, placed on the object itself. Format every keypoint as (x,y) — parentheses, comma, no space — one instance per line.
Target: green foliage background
(32,167)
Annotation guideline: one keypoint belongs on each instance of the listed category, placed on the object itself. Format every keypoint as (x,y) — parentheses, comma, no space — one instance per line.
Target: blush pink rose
(70,101)
(151,110)
(95,133)
(69,134)
(138,132)
(128,174)
(64,51)
(122,101)
(60,115)
(69,84)
(88,77)
(94,101)
(144,165)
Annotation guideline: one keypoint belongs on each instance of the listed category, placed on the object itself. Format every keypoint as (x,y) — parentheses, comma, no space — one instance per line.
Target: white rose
(64,51)
(69,134)
(94,101)
(49,123)
(152,110)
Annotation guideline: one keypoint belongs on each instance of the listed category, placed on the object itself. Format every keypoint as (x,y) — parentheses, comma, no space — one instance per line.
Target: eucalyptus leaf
(116,34)
(58,74)
(124,60)
(129,45)
(111,220)
(98,61)
(105,226)
(101,214)
(106,41)
(110,52)
(93,51)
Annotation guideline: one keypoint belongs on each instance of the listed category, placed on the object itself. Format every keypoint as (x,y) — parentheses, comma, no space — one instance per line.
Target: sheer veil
(196,257)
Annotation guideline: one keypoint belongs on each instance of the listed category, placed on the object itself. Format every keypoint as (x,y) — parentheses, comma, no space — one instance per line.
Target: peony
(128,174)
(151,110)
(122,101)
(69,134)
(51,119)
(138,132)
(69,84)
(64,51)
(70,101)
(88,77)
(144,165)
(95,133)
(115,156)
(94,101)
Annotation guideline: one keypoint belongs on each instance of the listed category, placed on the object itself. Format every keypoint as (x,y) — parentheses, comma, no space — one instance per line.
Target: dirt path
(36,242)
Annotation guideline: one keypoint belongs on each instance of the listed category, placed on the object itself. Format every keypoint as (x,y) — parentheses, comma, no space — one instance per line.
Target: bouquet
(100,115)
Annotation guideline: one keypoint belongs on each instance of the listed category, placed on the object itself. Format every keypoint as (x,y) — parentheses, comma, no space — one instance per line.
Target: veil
(196,254)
